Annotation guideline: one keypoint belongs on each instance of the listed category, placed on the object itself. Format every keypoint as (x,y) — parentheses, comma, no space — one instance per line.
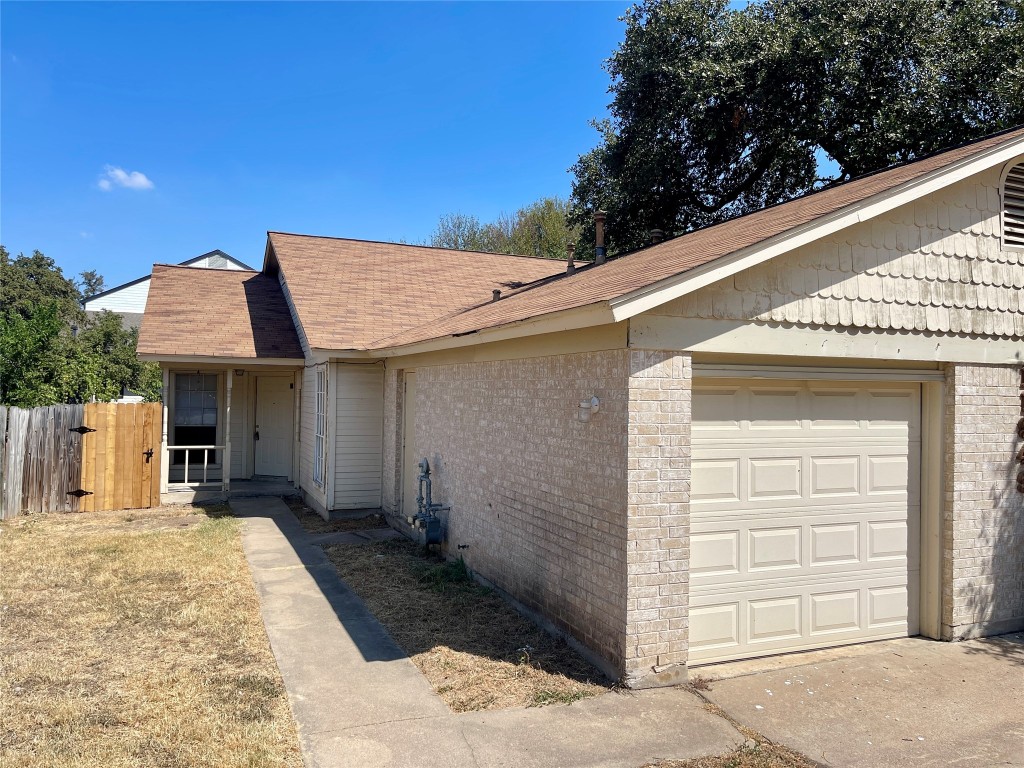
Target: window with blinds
(1013,207)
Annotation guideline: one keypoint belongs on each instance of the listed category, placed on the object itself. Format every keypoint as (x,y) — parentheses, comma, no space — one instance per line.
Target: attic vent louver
(1013,207)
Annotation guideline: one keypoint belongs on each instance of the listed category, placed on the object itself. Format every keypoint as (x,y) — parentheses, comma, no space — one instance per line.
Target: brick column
(983,525)
(658,518)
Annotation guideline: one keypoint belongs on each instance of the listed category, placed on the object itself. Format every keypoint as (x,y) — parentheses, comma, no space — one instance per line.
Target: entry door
(272,437)
(804,515)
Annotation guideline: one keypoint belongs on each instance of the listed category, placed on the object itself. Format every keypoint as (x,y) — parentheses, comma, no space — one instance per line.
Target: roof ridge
(413,245)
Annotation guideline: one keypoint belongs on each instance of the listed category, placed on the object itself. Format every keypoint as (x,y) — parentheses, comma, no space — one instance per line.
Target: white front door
(272,437)
(804,515)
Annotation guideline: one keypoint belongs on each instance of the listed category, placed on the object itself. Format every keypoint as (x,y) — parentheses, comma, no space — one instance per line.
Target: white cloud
(118,177)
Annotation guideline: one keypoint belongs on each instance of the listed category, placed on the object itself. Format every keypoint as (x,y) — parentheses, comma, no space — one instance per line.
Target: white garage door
(805,508)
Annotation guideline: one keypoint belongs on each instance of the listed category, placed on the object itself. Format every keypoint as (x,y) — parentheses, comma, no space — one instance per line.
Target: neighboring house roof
(224,313)
(213,256)
(129,320)
(348,294)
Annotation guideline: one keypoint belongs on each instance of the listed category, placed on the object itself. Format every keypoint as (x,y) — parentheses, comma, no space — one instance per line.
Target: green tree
(92,283)
(718,111)
(27,282)
(50,352)
(541,228)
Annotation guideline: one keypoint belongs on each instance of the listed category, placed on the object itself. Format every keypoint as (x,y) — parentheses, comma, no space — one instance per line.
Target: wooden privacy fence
(79,458)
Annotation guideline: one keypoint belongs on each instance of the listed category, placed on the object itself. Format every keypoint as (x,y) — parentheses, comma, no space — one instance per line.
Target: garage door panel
(804,515)
(714,554)
(774,477)
(773,549)
(833,612)
(835,476)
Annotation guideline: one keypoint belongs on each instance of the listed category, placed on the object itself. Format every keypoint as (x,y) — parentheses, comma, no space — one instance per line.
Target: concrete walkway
(359,701)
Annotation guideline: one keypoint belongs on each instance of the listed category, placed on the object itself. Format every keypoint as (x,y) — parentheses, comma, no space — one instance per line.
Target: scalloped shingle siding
(934,265)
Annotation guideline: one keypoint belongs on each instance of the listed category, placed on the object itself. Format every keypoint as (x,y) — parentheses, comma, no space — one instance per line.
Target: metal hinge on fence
(79,493)
(82,430)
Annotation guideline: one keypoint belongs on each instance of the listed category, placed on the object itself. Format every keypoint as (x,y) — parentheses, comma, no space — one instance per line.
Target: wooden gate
(79,458)
(121,459)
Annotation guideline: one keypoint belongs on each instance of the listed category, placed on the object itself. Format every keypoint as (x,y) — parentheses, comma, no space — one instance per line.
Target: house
(797,429)
(129,299)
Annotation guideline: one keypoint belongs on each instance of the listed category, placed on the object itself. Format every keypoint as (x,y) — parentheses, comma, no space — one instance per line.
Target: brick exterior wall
(983,531)
(538,498)
(658,513)
(585,524)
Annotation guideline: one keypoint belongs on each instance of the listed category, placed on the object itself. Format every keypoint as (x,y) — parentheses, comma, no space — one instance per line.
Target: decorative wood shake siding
(934,265)
(983,531)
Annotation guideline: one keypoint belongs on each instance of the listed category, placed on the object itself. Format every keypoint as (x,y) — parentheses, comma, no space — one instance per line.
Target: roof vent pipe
(657,235)
(495,294)
(599,250)
(570,249)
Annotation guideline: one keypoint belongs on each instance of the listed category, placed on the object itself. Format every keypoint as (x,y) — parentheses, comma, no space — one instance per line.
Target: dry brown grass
(313,523)
(761,755)
(471,645)
(135,639)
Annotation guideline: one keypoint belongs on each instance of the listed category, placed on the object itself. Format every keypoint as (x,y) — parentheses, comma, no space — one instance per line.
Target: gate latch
(148,454)
(82,430)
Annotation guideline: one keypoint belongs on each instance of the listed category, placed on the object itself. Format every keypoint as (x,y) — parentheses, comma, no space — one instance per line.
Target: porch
(229,431)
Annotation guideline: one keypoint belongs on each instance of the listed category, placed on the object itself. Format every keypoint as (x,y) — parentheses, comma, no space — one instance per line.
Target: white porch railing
(206,462)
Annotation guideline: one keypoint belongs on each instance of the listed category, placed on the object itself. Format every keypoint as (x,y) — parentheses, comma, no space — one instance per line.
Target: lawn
(135,639)
(472,646)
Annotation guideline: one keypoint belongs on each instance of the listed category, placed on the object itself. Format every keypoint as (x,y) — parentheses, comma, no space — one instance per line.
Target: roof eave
(293,362)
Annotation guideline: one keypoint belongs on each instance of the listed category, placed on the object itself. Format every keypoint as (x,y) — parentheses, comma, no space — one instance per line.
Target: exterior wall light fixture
(587,407)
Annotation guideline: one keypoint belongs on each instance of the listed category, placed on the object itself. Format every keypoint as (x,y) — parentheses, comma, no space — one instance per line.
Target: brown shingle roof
(646,267)
(216,313)
(350,293)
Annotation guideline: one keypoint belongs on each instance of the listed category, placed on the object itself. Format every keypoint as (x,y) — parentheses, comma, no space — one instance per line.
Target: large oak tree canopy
(718,111)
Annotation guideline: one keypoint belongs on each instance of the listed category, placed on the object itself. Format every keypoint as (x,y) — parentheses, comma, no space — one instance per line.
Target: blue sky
(154,132)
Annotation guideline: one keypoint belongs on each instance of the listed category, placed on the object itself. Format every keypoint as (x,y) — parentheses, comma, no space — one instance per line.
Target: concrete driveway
(910,702)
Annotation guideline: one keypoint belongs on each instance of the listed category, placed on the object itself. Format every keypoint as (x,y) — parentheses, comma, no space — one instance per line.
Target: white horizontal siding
(131,298)
(307,435)
(240,407)
(358,435)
